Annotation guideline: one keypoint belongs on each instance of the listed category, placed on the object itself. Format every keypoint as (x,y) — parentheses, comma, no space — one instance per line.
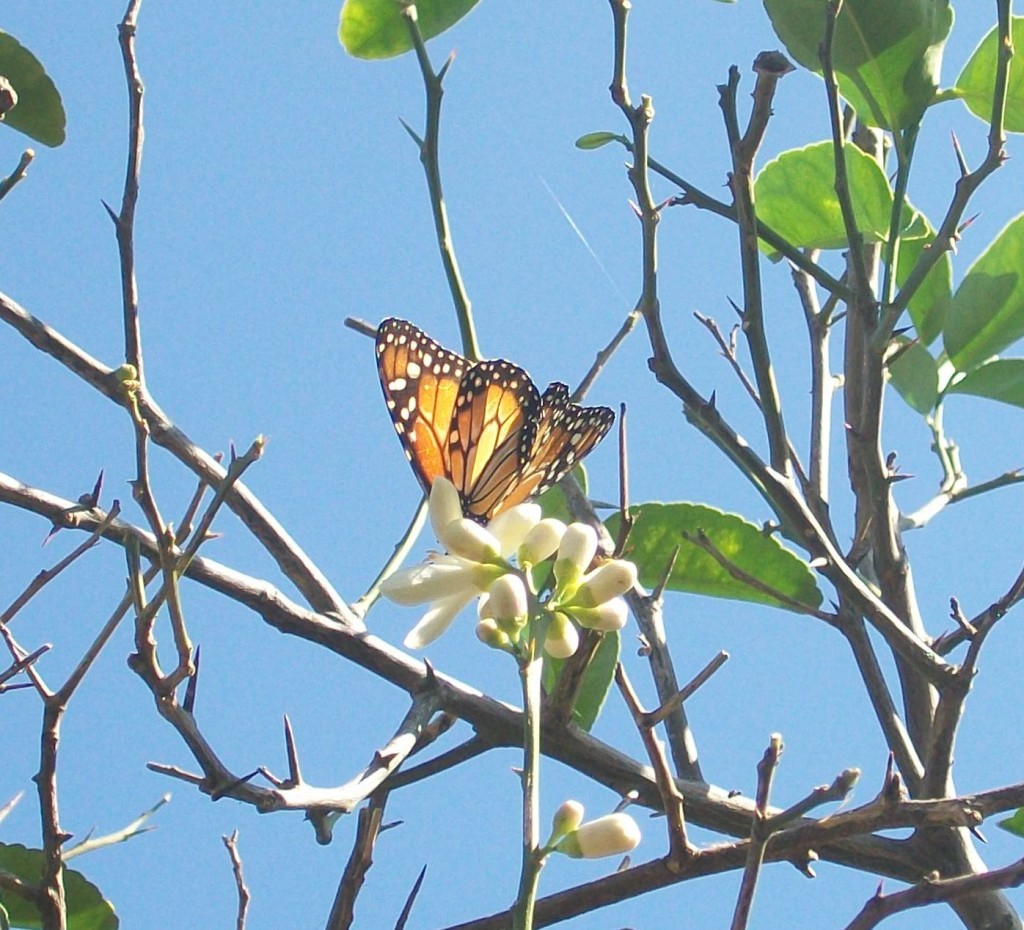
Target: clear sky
(280,195)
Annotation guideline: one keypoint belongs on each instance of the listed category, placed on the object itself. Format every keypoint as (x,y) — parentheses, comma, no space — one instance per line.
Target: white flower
(609,616)
(513,525)
(448,582)
(506,600)
(611,835)
(489,634)
(541,542)
(609,580)
(567,818)
(575,553)
(561,639)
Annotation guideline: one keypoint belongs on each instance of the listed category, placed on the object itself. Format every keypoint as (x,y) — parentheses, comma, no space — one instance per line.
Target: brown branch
(231,844)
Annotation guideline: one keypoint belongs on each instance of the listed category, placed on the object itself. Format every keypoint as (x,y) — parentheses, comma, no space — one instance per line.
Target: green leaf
(915,375)
(378,28)
(659,530)
(595,140)
(795,195)
(39,113)
(930,303)
(87,909)
(1014,824)
(987,311)
(597,680)
(887,54)
(977,81)
(1001,379)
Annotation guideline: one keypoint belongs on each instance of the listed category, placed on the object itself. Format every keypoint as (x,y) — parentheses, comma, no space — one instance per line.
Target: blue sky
(280,194)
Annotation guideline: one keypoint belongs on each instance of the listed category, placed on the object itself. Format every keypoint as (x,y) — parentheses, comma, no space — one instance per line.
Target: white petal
(444,506)
(511,526)
(470,541)
(427,582)
(436,620)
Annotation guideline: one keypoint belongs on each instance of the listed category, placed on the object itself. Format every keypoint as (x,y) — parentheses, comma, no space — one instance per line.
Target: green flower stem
(428,145)
(533,858)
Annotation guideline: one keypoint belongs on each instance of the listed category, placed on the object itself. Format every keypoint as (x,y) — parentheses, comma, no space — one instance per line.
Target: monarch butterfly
(483,425)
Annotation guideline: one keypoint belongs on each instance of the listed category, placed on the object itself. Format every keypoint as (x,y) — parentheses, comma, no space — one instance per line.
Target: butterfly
(483,425)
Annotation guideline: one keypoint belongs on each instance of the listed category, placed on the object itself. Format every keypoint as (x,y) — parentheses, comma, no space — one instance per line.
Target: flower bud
(575,553)
(470,540)
(506,598)
(488,633)
(541,541)
(561,639)
(607,617)
(611,835)
(511,526)
(567,818)
(605,582)
(444,507)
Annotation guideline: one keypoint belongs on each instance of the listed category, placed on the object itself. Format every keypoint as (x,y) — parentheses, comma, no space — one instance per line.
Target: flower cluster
(478,563)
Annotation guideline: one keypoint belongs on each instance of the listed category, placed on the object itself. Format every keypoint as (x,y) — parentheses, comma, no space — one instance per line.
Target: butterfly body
(483,425)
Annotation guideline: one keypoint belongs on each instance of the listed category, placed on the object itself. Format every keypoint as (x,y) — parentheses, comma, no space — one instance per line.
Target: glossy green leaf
(795,195)
(1001,379)
(39,113)
(86,907)
(660,529)
(987,311)
(977,81)
(597,680)
(378,29)
(915,375)
(595,140)
(1014,824)
(930,303)
(887,53)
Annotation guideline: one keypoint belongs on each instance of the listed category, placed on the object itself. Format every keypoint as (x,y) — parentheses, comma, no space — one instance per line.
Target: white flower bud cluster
(611,835)
(476,565)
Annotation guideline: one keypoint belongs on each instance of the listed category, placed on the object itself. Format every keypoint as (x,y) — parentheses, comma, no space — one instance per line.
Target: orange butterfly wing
(421,381)
(484,426)
(566,432)
(491,435)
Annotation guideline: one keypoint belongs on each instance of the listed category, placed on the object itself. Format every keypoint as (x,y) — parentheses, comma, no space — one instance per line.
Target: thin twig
(18,174)
(231,845)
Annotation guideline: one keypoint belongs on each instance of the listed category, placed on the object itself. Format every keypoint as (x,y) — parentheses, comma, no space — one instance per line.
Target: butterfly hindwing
(421,382)
(482,425)
(566,432)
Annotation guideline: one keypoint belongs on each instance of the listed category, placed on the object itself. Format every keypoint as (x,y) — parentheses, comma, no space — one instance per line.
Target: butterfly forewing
(421,382)
(492,434)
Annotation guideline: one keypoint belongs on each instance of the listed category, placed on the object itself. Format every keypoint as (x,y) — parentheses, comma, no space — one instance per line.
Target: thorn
(966,223)
(449,61)
(415,138)
(636,210)
(294,771)
(960,160)
(231,786)
(114,218)
(735,307)
(193,681)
